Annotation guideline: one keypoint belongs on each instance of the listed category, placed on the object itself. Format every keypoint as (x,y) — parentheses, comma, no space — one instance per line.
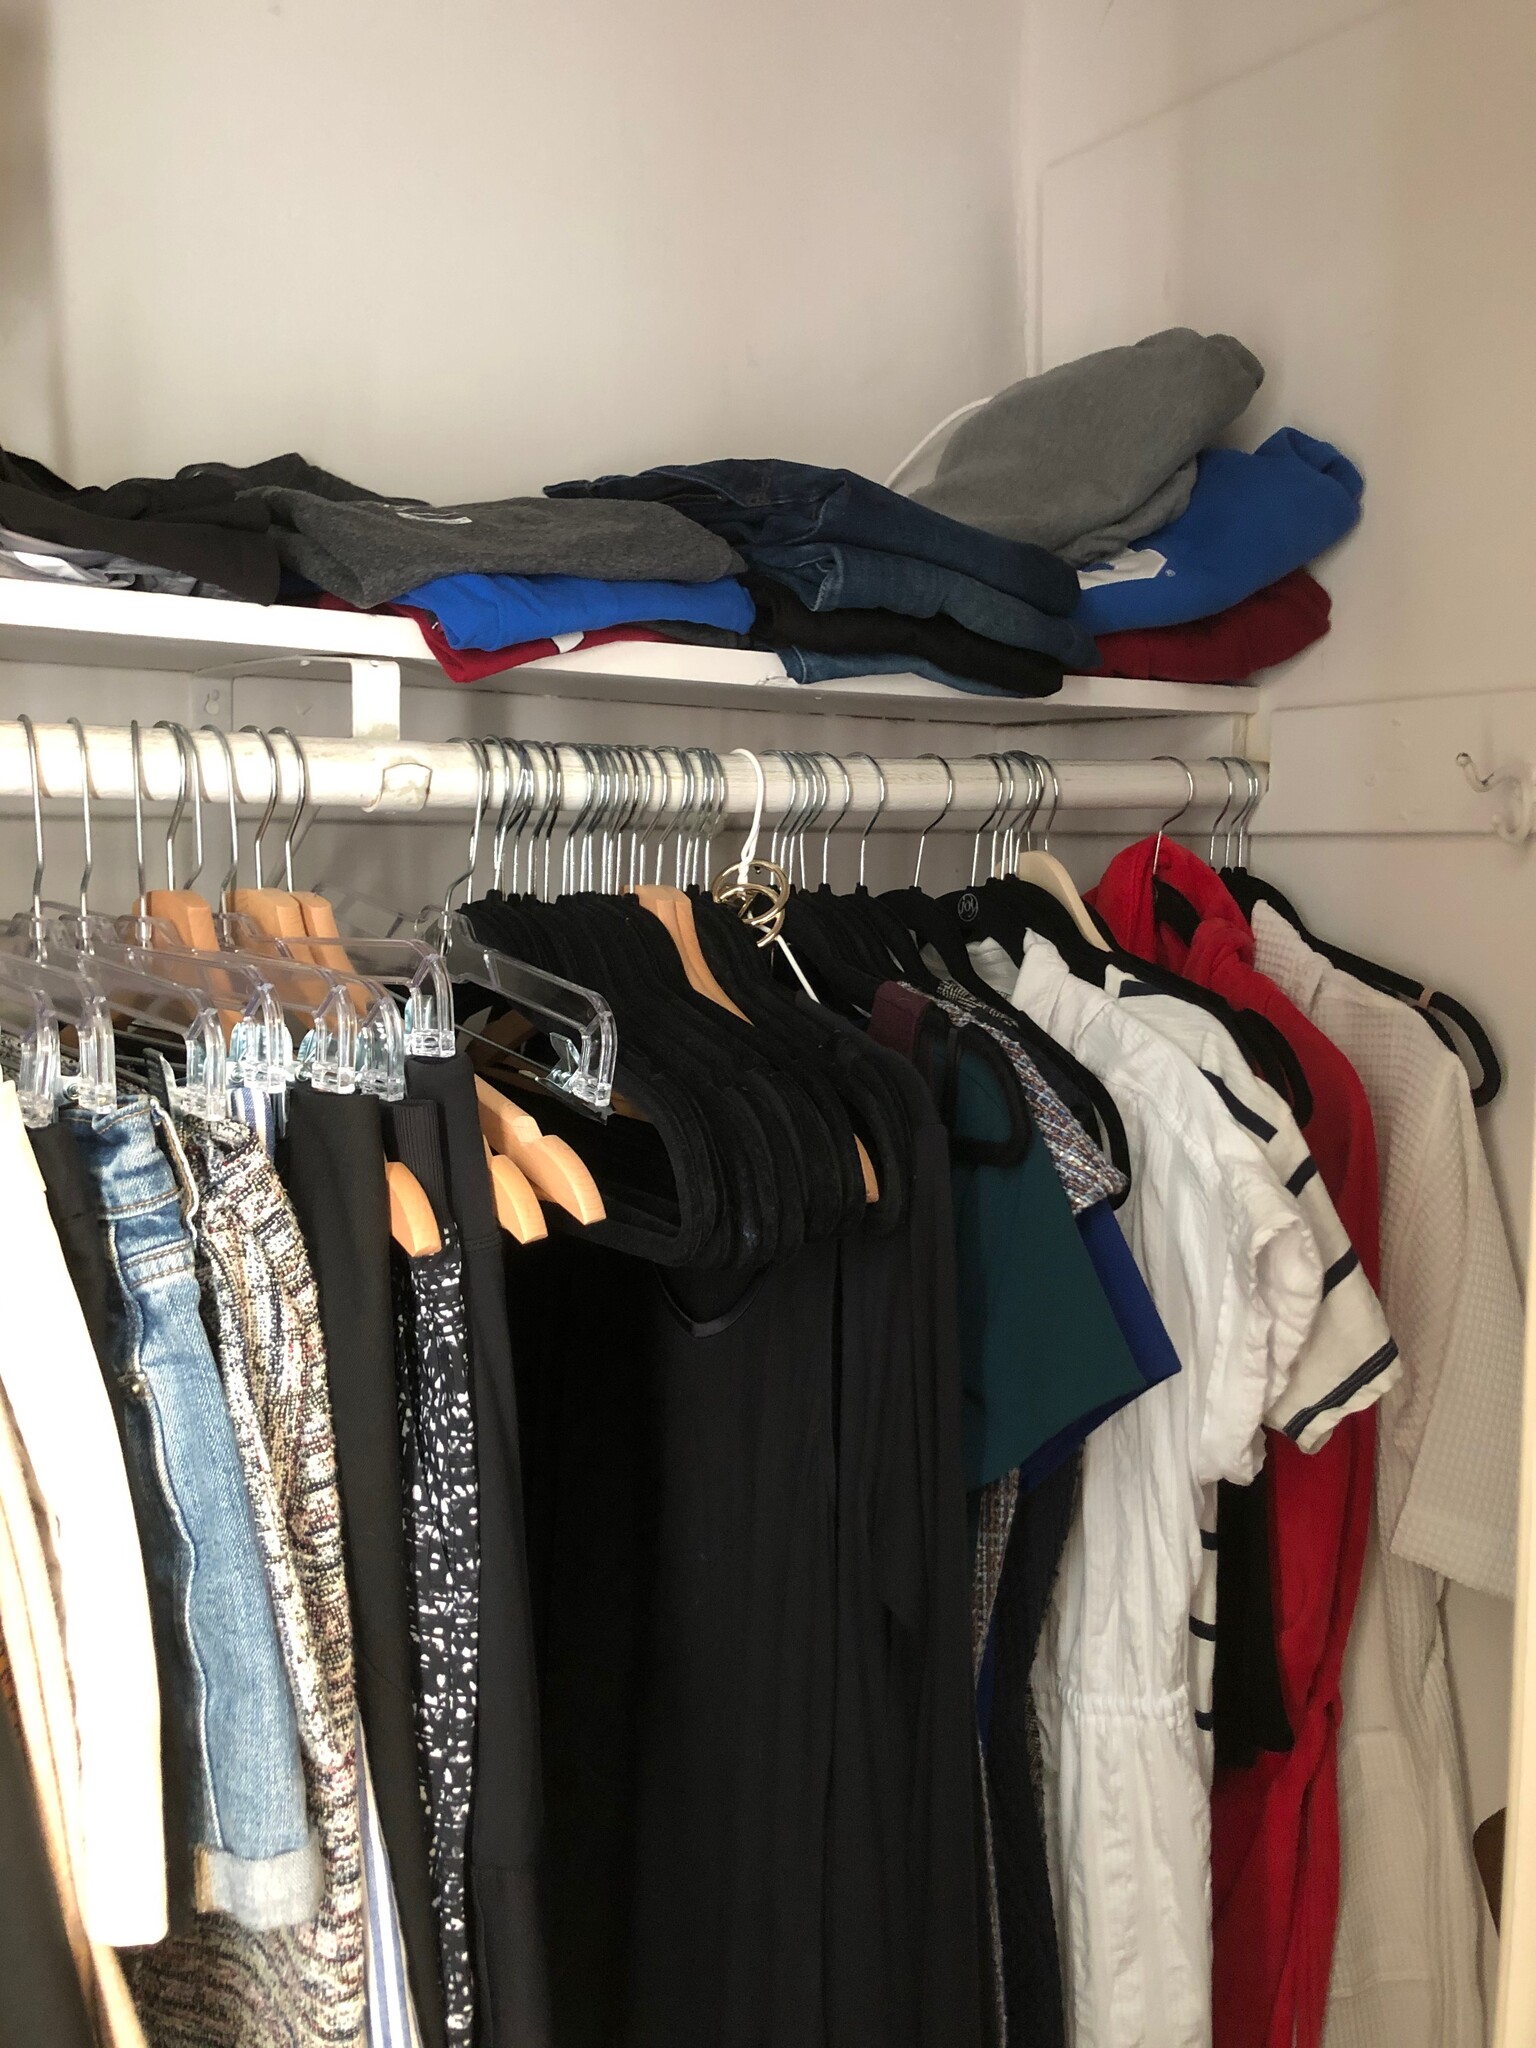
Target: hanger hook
(482,799)
(35,776)
(269,810)
(1045,829)
(1173,816)
(826,837)
(136,750)
(1004,819)
(178,808)
(875,814)
(1024,826)
(989,818)
(949,804)
(302,759)
(1225,760)
(503,809)
(749,844)
(85,813)
(1255,798)
(190,786)
(232,796)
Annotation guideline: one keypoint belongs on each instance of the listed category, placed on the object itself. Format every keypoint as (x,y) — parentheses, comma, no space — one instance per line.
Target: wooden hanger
(675,912)
(517,1206)
(412,1222)
(276,913)
(554,1169)
(188,913)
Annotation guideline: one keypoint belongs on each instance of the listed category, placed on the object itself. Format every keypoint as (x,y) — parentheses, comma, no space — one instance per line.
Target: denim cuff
(263,1893)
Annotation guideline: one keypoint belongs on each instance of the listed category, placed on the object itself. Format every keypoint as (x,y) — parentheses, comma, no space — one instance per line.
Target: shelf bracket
(375,699)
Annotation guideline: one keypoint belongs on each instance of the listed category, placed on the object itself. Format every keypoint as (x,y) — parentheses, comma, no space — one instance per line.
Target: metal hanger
(874,816)
(275,910)
(949,800)
(1039,866)
(577,1021)
(1173,816)
(167,1008)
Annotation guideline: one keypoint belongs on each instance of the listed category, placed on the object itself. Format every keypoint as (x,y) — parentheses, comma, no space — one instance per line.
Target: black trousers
(332,1162)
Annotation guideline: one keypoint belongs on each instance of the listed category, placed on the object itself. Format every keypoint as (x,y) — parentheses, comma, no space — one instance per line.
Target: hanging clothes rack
(443,778)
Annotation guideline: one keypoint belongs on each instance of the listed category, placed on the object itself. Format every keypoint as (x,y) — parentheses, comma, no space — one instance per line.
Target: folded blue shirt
(501,611)
(1251,519)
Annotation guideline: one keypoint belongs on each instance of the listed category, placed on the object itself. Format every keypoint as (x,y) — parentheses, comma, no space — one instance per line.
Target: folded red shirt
(474,664)
(1229,646)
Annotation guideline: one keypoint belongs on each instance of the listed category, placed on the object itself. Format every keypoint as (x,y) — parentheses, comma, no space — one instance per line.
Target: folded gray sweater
(1092,455)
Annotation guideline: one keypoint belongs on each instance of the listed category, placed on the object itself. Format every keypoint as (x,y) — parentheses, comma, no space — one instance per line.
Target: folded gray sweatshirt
(1088,457)
(372,551)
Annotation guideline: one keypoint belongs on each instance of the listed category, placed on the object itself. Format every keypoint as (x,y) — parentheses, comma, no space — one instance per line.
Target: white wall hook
(1516,797)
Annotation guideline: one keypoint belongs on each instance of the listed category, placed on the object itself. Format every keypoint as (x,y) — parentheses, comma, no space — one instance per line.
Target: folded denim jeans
(1040,678)
(254,1853)
(830,576)
(767,503)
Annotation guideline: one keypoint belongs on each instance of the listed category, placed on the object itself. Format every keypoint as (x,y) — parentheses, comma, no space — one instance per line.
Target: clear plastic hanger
(38,1000)
(159,1003)
(259,1052)
(577,1022)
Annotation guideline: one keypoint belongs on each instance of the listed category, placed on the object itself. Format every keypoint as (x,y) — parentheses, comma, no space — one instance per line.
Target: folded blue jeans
(767,503)
(808,665)
(830,576)
(254,1853)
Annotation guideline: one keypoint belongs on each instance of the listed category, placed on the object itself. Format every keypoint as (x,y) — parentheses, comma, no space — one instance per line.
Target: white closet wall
(472,246)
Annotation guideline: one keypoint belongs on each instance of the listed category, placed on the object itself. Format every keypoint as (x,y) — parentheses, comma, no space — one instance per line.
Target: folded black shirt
(220,543)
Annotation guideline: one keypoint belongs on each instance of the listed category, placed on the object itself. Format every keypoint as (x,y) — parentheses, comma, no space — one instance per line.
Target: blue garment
(765,503)
(501,611)
(1141,1326)
(1251,519)
(254,1853)
(805,665)
(828,576)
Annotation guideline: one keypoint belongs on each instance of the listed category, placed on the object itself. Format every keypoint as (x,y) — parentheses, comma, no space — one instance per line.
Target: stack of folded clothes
(849,579)
(492,584)
(1081,520)
(1191,557)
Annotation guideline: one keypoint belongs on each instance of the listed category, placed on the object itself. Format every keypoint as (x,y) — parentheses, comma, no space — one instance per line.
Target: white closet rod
(402,779)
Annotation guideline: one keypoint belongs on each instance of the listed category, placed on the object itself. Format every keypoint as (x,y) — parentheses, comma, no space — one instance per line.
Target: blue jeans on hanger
(829,576)
(253,1851)
(769,503)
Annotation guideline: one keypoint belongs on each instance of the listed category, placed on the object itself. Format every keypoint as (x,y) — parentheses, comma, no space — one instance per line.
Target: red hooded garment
(1275,1826)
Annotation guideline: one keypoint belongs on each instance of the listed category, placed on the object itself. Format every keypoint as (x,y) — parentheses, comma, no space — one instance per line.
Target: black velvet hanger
(1006,908)
(1266,1048)
(933,920)
(1437,1008)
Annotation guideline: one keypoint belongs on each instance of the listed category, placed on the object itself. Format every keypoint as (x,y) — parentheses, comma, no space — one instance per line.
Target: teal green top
(1040,1346)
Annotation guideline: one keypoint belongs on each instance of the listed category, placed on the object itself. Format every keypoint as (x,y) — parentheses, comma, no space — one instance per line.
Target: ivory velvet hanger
(1041,867)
